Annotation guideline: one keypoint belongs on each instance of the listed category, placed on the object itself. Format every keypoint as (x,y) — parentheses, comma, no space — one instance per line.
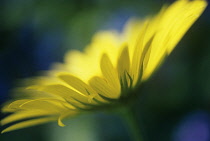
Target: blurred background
(175,102)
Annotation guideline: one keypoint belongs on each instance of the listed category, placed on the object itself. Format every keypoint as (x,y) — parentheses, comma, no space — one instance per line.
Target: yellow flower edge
(106,73)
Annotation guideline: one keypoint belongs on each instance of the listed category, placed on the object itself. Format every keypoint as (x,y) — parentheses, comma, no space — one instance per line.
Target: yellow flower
(107,73)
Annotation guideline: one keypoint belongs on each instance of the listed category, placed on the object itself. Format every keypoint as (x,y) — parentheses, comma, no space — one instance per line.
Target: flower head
(106,73)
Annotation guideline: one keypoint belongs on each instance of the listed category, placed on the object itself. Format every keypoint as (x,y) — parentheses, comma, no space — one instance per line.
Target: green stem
(131,120)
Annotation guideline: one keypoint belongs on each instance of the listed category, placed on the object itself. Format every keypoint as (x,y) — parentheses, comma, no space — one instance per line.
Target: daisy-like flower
(107,73)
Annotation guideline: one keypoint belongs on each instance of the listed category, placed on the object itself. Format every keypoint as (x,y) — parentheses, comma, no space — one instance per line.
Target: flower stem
(131,121)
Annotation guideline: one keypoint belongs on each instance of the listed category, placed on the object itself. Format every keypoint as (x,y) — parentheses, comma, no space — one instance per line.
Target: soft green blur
(180,87)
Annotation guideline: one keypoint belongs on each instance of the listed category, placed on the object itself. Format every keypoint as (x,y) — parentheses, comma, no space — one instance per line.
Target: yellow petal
(75,99)
(123,61)
(103,88)
(110,74)
(60,123)
(170,26)
(123,67)
(85,64)
(77,84)
(188,16)
(65,115)
(46,104)
(141,49)
(25,114)
(29,123)
(131,33)
(13,106)
(65,92)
